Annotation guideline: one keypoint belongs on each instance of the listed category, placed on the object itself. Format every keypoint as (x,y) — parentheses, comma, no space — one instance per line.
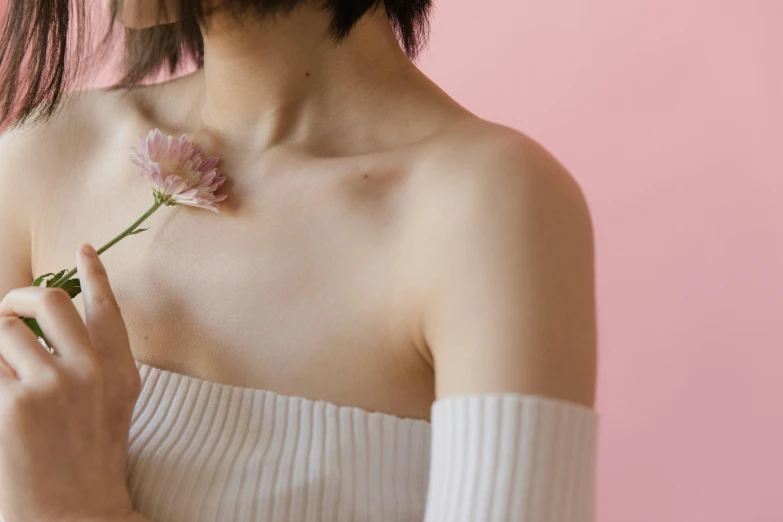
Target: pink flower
(178,171)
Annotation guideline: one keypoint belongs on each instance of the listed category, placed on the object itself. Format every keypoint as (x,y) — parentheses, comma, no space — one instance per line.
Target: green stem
(128,231)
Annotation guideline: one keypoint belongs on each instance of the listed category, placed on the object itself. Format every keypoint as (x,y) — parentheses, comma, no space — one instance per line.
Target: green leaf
(55,279)
(40,280)
(138,231)
(73,287)
(33,324)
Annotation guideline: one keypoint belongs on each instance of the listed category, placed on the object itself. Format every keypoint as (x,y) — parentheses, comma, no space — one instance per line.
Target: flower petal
(178,169)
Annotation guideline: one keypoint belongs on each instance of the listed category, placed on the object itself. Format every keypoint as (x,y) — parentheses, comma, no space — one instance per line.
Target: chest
(298,281)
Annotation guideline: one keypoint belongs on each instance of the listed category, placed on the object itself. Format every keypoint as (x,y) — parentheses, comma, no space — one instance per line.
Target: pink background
(670,114)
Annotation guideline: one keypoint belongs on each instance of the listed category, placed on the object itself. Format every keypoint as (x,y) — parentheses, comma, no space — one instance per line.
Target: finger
(102,313)
(6,370)
(21,349)
(56,315)
(8,378)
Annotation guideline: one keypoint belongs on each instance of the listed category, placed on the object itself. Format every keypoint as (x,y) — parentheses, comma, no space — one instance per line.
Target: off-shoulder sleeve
(512,458)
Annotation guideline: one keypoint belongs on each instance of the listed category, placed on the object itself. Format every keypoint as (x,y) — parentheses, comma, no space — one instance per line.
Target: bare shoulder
(479,166)
(41,150)
(502,244)
(47,164)
(57,155)
(85,123)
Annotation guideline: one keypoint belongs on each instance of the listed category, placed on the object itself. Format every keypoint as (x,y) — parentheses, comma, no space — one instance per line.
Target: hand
(65,417)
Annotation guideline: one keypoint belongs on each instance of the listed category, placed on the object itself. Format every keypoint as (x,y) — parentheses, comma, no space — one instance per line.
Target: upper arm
(39,163)
(15,190)
(510,278)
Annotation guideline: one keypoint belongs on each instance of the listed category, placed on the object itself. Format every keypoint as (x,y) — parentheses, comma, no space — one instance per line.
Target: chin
(141,14)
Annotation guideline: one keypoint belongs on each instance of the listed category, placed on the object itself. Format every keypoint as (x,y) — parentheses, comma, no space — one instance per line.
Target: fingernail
(89,251)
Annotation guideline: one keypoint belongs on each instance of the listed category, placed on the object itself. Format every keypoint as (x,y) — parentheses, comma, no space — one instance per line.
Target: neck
(267,81)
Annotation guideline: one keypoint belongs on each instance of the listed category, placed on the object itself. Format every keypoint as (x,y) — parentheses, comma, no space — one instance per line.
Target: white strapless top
(207,452)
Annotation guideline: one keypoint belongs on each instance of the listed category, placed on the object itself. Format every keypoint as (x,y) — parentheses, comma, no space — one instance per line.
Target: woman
(383,254)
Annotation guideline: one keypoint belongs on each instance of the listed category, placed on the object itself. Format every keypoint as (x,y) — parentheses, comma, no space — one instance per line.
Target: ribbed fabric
(508,457)
(207,452)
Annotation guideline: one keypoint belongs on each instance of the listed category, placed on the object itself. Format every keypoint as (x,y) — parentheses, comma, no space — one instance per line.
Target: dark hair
(40,55)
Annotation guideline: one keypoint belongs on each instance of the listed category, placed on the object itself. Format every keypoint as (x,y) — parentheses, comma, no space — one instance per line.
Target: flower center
(170,165)
(173,166)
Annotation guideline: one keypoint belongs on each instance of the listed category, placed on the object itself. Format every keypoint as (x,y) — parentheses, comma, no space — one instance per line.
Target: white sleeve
(512,458)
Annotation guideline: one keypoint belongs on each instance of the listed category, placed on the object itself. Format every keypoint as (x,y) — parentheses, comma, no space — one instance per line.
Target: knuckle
(106,301)
(9,323)
(103,300)
(89,370)
(54,298)
(96,270)
(50,378)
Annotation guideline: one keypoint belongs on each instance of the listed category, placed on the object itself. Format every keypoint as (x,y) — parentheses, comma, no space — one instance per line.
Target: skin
(68,409)
(381,247)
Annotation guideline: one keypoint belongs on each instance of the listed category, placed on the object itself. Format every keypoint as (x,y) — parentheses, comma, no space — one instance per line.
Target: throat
(271,80)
